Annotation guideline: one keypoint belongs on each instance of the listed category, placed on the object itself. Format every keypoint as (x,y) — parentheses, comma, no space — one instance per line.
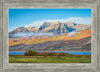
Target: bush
(62,54)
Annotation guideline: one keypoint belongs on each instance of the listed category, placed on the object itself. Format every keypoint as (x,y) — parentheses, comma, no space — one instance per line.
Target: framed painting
(49,36)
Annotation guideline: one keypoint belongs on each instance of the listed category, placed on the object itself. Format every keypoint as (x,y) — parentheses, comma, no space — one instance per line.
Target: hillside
(80,41)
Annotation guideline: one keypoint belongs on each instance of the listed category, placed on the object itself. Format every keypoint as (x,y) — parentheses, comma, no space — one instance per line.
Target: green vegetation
(50,59)
(45,53)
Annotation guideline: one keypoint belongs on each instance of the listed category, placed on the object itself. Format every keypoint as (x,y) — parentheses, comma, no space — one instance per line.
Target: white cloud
(20,34)
(80,20)
(71,33)
(35,24)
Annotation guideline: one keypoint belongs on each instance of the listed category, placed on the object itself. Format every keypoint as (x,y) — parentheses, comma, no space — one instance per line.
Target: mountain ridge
(52,27)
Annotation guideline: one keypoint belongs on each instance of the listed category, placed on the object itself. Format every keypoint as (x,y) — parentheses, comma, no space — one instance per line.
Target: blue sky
(35,17)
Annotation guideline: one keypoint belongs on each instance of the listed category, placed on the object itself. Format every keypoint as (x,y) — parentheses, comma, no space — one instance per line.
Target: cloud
(80,20)
(20,34)
(35,24)
(71,33)
(77,20)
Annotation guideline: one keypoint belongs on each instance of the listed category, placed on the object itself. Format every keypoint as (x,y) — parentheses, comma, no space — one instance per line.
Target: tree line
(44,53)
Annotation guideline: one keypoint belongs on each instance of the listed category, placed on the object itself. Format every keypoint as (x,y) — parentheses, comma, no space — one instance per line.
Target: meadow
(50,59)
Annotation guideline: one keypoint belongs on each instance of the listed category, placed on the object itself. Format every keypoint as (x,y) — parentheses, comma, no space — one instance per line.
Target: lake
(73,53)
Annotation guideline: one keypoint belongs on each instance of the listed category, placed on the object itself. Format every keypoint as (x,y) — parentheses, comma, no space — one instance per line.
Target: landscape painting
(50,35)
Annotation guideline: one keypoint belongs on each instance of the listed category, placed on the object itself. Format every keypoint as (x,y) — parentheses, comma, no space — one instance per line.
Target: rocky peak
(20,27)
(32,29)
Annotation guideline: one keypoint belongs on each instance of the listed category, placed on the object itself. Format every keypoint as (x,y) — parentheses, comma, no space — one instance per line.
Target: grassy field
(50,59)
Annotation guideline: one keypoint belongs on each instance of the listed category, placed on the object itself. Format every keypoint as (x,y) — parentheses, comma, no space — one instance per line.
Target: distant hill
(52,27)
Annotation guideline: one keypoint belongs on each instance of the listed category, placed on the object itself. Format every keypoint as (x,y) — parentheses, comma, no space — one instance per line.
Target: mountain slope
(81,41)
(17,30)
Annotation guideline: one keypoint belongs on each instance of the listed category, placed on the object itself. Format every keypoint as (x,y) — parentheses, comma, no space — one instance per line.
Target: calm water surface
(73,53)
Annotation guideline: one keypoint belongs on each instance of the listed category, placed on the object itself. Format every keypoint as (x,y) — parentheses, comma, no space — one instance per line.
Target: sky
(36,17)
